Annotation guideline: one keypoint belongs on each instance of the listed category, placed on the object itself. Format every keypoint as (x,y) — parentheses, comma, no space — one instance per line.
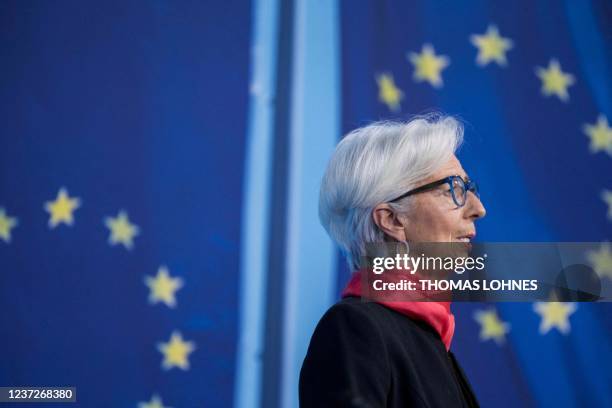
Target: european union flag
(159,172)
(532,82)
(120,211)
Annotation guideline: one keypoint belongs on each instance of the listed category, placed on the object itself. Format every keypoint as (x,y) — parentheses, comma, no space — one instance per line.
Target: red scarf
(436,314)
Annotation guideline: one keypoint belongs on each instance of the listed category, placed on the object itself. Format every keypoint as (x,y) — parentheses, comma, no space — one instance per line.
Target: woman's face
(434,216)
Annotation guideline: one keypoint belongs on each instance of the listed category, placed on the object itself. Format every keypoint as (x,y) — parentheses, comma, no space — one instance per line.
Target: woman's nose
(475,208)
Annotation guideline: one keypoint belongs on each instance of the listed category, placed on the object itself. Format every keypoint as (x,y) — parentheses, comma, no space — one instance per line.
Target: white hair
(375,164)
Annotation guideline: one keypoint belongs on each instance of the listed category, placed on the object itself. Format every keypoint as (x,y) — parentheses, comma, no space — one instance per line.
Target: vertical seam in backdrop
(275,299)
(287,261)
(256,205)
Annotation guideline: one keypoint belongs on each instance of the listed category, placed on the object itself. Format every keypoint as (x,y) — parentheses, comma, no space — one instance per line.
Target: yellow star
(122,231)
(6,225)
(388,93)
(61,209)
(491,47)
(155,402)
(163,287)
(491,327)
(606,195)
(555,81)
(601,260)
(600,135)
(176,352)
(554,314)
(428,65)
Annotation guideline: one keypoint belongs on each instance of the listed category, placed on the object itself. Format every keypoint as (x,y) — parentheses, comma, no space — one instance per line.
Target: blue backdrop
(159,170)
(532,81)
(137,107)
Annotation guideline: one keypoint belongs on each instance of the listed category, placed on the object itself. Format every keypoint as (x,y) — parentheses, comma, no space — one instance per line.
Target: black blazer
(363,354)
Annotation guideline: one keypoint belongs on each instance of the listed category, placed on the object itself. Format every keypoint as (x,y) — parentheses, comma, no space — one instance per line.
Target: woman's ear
(388,222)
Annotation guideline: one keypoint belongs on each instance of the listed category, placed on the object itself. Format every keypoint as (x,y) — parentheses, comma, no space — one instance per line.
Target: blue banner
(532,83)
(121,176)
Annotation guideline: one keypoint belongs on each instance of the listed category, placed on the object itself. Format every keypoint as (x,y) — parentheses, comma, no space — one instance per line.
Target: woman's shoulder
(356,305)
(350,315)
(346,358)
(368,318)
(365,309)
(354,309)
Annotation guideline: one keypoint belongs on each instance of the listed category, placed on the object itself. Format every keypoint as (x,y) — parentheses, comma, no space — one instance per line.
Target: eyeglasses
(458,189)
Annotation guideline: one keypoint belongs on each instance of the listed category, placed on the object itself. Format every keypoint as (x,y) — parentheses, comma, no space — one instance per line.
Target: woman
(391,182)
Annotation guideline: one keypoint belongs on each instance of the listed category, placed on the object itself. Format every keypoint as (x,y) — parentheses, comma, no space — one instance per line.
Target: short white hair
(375,164)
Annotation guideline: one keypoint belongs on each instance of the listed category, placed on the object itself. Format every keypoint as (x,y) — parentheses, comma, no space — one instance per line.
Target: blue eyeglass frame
(469,185)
